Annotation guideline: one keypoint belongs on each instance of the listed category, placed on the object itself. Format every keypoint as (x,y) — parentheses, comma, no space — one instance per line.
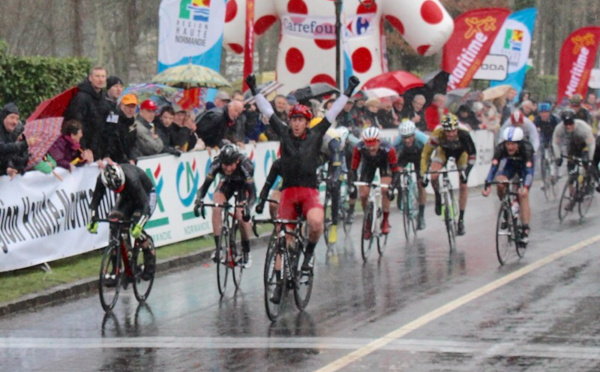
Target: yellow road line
(435,314)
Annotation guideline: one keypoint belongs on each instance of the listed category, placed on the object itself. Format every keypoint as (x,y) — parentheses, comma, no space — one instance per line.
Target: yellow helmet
(314,122)
(449,122)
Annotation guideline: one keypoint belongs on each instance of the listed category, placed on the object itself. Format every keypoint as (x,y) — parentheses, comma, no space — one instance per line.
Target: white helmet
(513,134)
(370,134)
(344,133)
(407,128)
(113,176)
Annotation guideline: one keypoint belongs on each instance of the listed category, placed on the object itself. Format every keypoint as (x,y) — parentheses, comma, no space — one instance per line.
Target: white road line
(435,314)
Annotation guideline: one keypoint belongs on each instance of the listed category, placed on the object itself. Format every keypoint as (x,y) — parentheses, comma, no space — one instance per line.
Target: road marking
(435,314)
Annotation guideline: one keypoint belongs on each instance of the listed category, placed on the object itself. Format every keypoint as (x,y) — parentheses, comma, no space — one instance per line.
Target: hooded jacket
(64,150)
(91,109)
(12,153)
(212,126)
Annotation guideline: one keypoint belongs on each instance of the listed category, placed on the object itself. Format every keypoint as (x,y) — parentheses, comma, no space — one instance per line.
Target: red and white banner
(577,57)
(473,36)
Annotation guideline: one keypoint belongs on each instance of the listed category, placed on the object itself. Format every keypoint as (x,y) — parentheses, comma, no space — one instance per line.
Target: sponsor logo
(188,179)
(479,25)
(158,182)
(360,26)
(313,28)
(192,25)
(578,71)
(581,41)
(196,10)
(468,63)
(513,40)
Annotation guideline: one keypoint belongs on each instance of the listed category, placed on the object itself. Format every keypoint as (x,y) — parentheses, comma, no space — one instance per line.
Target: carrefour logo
(188,179)
(197,10)
(158,182)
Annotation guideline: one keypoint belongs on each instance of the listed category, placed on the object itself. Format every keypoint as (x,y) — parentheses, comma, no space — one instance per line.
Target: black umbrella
(315,90)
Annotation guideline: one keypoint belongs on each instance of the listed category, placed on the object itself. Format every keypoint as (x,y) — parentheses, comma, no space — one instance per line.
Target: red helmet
(301,110)
(148,105)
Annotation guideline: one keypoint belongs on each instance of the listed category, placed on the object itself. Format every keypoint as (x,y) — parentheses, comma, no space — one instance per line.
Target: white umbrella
(381,93)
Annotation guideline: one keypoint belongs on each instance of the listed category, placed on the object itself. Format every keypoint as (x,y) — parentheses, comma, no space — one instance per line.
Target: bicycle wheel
(404,207)
(565,200)
(367,232)
(450,220)
(546,178)
(109,283)
(382,243)
(222,257)
(327,218)
(504,237)
(304,280)
(234,250)
(586,196)
(270,282)
(141,287)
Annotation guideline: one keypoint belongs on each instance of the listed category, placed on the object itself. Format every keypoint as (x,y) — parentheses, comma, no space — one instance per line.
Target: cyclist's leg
(385,202)
(366,175)
(437,163)
(315,215)
(461,164)
(221,195)
(245,227)
(275,195)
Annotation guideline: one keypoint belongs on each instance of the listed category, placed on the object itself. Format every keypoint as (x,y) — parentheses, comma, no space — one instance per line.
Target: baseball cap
(222,95)
(129,99)
(149,105)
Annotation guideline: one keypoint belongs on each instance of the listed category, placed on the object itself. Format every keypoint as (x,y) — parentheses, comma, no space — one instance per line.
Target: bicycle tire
(303,281)
(405,212)
(381,246)
(450,220)
(141,287)
(504,238)
(587,196)
(546,178)
(110,276)
(366,244)
(222,258)
(270,281)
(564,199)
(237,270)
(327,217)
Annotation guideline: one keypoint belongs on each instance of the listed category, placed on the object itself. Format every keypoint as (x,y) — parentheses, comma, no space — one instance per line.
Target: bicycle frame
(448,205)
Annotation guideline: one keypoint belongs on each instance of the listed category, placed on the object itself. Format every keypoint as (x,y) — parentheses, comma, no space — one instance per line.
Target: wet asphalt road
(406,311)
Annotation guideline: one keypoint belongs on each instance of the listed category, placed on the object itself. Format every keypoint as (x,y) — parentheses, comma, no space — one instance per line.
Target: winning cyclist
(299,162)
(374,153)
(409,146)
(237,174)
(136,200)
(449,140)
(513,160)
(577,138)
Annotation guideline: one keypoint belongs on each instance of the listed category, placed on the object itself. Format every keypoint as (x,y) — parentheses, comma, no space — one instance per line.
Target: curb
(84,287)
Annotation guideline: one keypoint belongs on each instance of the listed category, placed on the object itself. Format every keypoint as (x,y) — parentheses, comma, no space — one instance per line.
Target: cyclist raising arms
(577,138)
(513,160)
(449,140)
(374,154)
(409,146)
(136,201)
(237,174)
(300,147)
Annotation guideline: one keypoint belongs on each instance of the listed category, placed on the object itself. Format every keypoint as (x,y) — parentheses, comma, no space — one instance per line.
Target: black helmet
(568,116)
(112,176)
(229,154)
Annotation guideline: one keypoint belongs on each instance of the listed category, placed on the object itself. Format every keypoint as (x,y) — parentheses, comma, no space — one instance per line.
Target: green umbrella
(191,76)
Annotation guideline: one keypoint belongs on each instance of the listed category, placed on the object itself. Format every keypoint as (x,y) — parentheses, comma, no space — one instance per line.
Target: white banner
(595,79)
(43,219)
(494,67)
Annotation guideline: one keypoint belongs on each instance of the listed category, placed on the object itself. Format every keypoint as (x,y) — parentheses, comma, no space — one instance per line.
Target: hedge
(27,81)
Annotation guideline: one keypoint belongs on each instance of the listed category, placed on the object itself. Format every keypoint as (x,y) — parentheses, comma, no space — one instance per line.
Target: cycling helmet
(449,122)
(301,111)
(370,134)
(407,128)
(568,116)
(513,134)
(229,154)
(544,107)
(113,177)
(344,133)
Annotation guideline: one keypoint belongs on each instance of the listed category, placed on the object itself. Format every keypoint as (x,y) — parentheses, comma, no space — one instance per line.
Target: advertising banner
(190,31)
(577,57)
(474,33)
(494,67)
(514,41)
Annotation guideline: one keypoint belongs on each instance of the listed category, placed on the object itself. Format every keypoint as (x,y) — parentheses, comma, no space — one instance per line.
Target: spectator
(576,103)
(222,99)
(280,104)
(14,147)
(114,89)
(148,142)
(162,127)
(190,124)
(435,111)
(489,118)
(236,132)
(525,95)
(386,116)
(66,150)
(398,105)
(119,134)
(90,108)
(369,119)
(467,117)
(528,108)
(179,134)
(592,106)
(291,102)
(509,105)
(414,112)
(359,105)
(347,118)
(212,124)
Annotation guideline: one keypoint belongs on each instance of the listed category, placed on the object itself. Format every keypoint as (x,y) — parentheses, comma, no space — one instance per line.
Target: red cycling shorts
(294,198)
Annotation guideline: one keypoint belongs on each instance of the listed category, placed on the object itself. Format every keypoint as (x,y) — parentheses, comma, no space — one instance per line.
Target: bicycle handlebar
(372,184)
(443,171)
(275,221)
(115,221)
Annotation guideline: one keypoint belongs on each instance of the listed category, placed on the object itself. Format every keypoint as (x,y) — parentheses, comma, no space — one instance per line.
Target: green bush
(541,86)
(28,81)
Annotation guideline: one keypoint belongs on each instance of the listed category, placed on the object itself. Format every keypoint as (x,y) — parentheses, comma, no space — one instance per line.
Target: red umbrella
(398,81)
(55,106)
(47,131)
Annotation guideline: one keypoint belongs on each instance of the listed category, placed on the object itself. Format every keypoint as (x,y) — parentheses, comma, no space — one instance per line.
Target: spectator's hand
(71,167)
(251,81)
(92,227)
(32,141)
(416,118)
(136,231)
(101,164)
(87,156)
(241,145)
(252,142)
(11,172)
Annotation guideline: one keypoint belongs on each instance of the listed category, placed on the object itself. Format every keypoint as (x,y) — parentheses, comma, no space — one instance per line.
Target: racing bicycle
(579,190)
(372,217)
(509,227)
(449,206)
(548,178)
(408,200)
